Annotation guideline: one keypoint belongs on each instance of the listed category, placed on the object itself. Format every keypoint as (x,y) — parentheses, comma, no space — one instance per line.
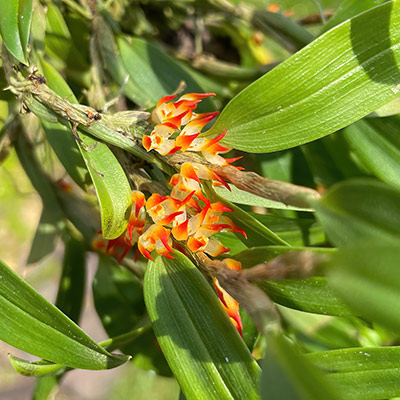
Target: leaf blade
(31,323)
(10,30)
(334,75)
(202,347)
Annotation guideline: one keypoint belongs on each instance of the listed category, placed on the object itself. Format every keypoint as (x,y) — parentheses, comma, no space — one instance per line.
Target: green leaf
(112,62)
(288,375)
(72,282)
(118,298)
(203,349)
(59,43)
(31,323)
(112,186)
(238,196)
(58,135)
(366,278)
(15,20)
(39,180)
(391,108)
(347,73)
(44,241)
(67,151)
(257,255)
(257,233)
(45,387)
(24,21)
(361,373)
(376,143)
(311,295)
(154,73)
(34,368)
(358,210)
(295,231)
(348,9)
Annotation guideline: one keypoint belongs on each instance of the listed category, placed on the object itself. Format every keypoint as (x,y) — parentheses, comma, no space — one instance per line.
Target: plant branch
(251,182)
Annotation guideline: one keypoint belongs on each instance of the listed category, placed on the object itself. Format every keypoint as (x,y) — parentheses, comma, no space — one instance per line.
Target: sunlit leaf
(347,73)
(15,19)
(30,323)
(203,349)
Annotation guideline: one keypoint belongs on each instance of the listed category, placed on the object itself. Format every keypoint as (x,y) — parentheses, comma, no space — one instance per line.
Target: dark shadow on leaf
(378,37)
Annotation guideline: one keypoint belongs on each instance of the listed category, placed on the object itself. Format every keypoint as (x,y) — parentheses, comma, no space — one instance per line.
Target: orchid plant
(244,254)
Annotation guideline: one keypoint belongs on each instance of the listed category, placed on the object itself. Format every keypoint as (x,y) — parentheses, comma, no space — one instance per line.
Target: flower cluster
(178,128)
(186,215)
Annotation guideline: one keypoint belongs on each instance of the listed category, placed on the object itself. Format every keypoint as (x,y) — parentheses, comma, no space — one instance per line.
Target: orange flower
(169,117)
(198,229)
(193,129)
(186,182)
(155,238)
(230,305)
(166,110)
(165,209)
(120,246)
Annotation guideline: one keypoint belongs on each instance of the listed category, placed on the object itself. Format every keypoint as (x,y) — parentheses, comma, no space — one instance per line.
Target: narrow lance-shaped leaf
(155,74)
(366,278)
(44,241)
(112,187)
(203,349)
(257,233)
(355,211)
(238,196)
(311,295)
(348,9)
(361,373)
(24,21)
(288,375)
(30,323)
(9,28)
(377,144)
(339,78)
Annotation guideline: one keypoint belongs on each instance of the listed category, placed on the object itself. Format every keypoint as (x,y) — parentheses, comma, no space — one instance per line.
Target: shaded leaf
(358,210)
(44,241)
(118,298)
(348,9)
(361,373)
(288,375)
(366,278)
(154,73)
(295,231)
(72,282)
(377,144)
